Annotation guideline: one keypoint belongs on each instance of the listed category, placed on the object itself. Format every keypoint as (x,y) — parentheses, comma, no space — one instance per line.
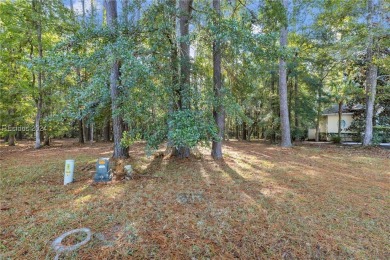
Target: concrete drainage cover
(59,248)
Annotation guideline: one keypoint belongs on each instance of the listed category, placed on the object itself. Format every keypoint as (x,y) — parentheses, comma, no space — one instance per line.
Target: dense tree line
(190,72)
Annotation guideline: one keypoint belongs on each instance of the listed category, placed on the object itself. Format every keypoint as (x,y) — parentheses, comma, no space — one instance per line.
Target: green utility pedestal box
(103,172)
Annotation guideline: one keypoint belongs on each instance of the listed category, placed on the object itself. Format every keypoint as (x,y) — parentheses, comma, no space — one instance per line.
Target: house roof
(334,109)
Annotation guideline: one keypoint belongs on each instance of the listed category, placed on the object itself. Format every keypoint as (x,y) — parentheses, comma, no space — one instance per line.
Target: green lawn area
(261,201)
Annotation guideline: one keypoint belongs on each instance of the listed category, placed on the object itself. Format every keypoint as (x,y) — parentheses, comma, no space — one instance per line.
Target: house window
(343,124)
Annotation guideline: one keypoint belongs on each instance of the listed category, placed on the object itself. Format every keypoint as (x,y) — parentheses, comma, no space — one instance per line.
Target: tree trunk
(184,52)
(181,152)
(83,9)
(340,116)
(174,66)
(117,121)
(81,121)
(46,141)
(318,114)
(125,12)
(290,89)
(284,119)
(250,132)
(41,135)
(93,9)
(11,139)
(86,132)
(371,79)
(370,101)
(106,130)
(19,135)
(37,124)
(218,109)
(244,131)
(39,101)
(237,130)
(91,134)
(296,105)
(81,132)
(11,134)
(274,107)
(226,135)
(184,22)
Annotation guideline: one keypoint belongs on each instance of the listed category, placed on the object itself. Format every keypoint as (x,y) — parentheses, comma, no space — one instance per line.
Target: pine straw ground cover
(261,201)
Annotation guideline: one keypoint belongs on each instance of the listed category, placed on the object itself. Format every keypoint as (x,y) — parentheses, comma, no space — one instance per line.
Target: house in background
(329,123)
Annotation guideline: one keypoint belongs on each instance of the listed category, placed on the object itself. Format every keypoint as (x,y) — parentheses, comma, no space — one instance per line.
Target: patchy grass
(261,201)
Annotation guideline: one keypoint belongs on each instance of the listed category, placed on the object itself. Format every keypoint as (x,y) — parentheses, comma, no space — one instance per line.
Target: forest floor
(315,201)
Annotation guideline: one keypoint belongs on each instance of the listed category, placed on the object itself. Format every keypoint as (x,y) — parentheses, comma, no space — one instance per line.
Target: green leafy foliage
(325,58)
(190,128)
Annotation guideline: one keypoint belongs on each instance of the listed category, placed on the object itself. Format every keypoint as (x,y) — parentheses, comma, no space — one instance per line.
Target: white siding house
(329,123)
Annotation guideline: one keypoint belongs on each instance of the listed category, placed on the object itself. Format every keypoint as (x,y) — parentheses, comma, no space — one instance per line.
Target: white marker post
(69,169)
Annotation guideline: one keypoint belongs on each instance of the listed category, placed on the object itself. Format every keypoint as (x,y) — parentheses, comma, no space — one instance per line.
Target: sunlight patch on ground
(264,155)
(272,191)
(206,176)
(255,161)
(250,200)
(266,164)
(79,189)
(106,153)
(82,200)
(310,172)
(112,191)
(244,168)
